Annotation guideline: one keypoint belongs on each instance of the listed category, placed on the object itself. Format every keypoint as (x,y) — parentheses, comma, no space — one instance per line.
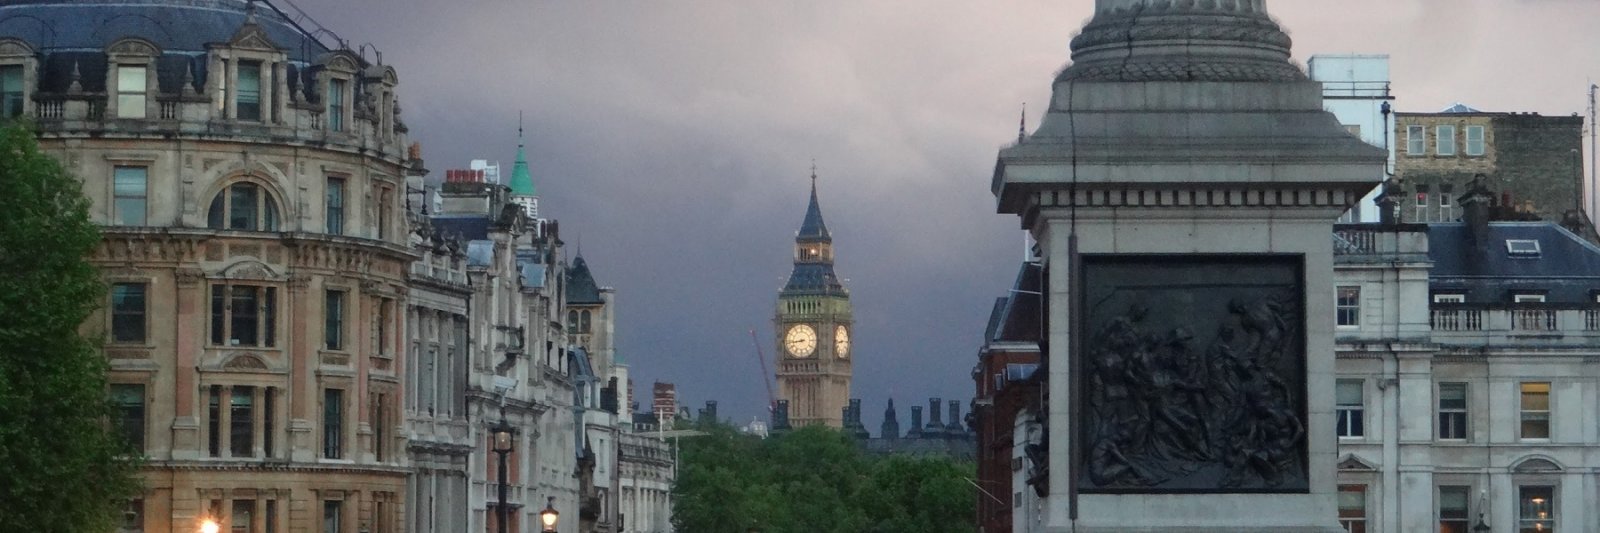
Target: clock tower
(814,328)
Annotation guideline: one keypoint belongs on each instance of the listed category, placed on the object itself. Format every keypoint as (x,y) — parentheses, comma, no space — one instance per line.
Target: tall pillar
(190,335)
(1182,188)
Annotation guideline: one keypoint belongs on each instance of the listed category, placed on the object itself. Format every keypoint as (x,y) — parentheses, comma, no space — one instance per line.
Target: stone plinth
(1182,135)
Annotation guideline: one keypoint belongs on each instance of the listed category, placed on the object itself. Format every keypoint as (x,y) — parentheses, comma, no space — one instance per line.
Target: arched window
(243,206)
(572,321)
(584,326)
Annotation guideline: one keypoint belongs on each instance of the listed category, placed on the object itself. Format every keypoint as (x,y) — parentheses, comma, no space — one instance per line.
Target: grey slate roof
(1567,268)
(174,25)
(1460,108)
(581,288)
(818,278)
(1016,316)
(813,229)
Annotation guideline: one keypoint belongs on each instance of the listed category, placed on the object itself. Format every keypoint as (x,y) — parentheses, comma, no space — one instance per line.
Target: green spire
(521,178)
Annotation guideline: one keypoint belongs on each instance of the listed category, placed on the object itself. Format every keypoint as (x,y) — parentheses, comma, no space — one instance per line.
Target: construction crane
(772,399)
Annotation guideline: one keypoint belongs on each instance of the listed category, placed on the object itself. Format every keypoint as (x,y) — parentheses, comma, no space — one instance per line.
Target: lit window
(244,315)
(1522,247)
(243,206)
(1350,408)
(128,313)
(1535,410)
(1453,411)
(1536,508)
(333,321)
(1353,508)
(128,400)
(129,195)
(11,91)
(248,105)
(1446,140)
(1416,141)
(1475,140)
(1454,515)
(131,94)
(1527,298)
(336,89)
(335,206)
(1347,307)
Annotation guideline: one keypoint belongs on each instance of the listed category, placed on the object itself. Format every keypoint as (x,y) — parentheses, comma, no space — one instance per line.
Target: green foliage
(61,468)
(815,480)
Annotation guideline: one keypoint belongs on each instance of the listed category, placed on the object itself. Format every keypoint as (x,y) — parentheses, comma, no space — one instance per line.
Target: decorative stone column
(1182,188)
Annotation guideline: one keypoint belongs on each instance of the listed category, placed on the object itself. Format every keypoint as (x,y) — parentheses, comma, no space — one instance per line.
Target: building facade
(813,323)
(1532,162)
(1464,375)
(250,184)
(1006,397)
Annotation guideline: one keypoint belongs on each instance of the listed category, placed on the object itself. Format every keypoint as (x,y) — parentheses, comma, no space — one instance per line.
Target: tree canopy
(61,467)
(815,479)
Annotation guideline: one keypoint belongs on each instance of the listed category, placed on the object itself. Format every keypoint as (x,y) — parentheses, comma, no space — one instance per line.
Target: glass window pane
(248,104)
(129,401)
(242,207)
(270,313)
(128,312)
(10,91)
(1453,395)
(1536,396)
(242,418)
(1349,393)
(243,307)
(336,105)
(218,313)
(242,509)
(1447,140)
(333,326)
(269,213)
(130,79)
(335,206)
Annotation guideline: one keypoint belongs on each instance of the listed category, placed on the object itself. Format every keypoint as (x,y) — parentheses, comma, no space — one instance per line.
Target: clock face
(801,341)
(841,342)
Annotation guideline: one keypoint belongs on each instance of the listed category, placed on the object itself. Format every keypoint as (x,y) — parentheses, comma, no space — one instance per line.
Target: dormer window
(1522,248)
(336,107)
(1528,298)
(131,91)
(249,91)
(11,91)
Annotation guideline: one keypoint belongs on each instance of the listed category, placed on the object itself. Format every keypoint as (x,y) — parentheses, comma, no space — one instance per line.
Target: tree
(61,467)
(815,479)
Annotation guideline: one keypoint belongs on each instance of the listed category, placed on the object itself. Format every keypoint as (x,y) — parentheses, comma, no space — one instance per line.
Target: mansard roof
(814,278)
(581,287)
(1566,268)
(174,26)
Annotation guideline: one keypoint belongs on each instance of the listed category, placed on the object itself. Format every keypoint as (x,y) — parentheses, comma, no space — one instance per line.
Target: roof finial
(1022,124)
(519,127)
(250,12)
(813,172)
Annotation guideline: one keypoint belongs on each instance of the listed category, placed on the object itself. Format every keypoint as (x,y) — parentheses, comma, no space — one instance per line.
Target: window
(271,516)
(131,83)
(242,419)
(333,423)
(1416,143)
(1353,508)
(333,321)
(385,198)
(1475,140)
(1454,516)
(248,104)
(1527,298)
(335,206)
(1354,129)
(243,206)
(128,399)
(1453,411)
(1446,140)
(128,313)
(1422,203)
(133,516)
(1449,298)
(332,516)
(244,315)
(1447,210)
(584,324)
(214,421)
(242,509)
(11,91)
(572,321)
(1536,508)
(128,196)
(1347,307)
(268,413)
(380,326)
(1536,410)
(380,425)
(1522,248)
(336,105)
(1351,408)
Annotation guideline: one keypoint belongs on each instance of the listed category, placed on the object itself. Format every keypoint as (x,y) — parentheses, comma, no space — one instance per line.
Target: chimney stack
(891,423)
(916,423)
(935,426)
(953,427)
(1476,205)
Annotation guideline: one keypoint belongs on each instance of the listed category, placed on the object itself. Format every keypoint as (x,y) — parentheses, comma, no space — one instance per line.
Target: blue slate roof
(813,229)
(174,25)
(1566,269)
(581,288)
(1018,320)
(814,278)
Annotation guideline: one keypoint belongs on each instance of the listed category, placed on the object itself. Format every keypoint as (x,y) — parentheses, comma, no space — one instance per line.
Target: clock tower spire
(813,324)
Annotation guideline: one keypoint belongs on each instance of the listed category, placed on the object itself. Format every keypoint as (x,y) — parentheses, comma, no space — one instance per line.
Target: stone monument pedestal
(1183,188)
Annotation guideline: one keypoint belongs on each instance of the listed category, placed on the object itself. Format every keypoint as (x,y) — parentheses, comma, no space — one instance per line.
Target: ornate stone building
(250,182)
(813,324)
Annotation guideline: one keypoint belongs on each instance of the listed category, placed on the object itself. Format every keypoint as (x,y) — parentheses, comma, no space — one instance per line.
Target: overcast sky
(673,140)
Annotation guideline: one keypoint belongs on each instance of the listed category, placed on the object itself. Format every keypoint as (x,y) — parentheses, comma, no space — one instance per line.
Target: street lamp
(1483,525)
(549,516)
(209,526)
(504,442)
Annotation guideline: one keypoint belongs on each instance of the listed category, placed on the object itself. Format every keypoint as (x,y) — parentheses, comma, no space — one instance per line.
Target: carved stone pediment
(15,47)
(1351,463)
(251,270)
(133,46)
(343,61)
(1537,465)
(245,361)
(252,37)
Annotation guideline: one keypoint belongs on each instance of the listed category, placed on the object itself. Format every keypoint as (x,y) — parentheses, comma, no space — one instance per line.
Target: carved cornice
(139,246)
(1221,40)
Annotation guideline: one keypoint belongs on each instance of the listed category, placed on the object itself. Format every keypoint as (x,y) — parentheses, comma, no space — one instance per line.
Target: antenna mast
(1594,128)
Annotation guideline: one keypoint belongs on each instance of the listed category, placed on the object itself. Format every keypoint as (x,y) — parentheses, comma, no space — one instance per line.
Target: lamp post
(209,526)
(504,442)
(549,516)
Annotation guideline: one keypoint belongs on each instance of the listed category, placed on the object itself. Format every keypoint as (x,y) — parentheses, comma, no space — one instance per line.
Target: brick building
(1533,162)
(1007,401)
